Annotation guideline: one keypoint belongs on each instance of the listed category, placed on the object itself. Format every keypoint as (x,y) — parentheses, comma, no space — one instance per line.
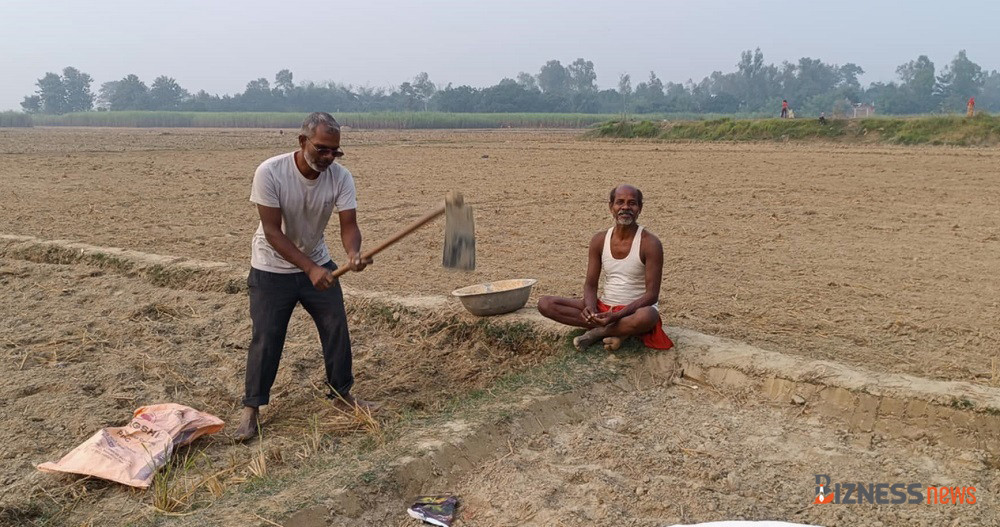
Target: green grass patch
(962,404)
(260,486)
(981,130)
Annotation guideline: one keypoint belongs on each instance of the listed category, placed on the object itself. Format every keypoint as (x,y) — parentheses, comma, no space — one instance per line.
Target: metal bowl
(495,298)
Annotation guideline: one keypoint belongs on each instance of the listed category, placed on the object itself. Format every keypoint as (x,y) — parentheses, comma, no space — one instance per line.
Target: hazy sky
(221,45)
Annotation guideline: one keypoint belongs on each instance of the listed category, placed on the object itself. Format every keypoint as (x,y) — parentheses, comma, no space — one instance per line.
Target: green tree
(917,87)
(129,93)
(887,97)
(257,97)
(625,89)
(371,98)
(960,80)
(814,77)
(582,78)
(989,97)
(424,88)
(105,94)
(755,81)
(408,94)
(52,92)
(460,99)
(527,81)
(649,95)
(78,95)
(553,78)
(203,102)
(849,75)
(283,82)
(166,94)
(31,104)
(677,98)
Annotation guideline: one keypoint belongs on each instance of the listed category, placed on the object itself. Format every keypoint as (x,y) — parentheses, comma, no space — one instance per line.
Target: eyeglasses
(326,150)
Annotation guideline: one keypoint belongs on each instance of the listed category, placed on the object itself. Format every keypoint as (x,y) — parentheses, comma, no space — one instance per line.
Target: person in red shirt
(971,109)
(784,108)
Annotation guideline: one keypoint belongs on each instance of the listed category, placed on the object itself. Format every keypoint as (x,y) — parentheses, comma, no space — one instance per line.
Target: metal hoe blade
(459,234)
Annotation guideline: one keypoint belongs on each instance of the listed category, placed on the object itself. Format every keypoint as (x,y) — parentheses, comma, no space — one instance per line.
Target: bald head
(629,190)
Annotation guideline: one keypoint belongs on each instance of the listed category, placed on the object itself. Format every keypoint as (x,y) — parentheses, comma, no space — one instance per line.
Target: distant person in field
(296,193)
(822,117)
(971,107)
(784,108)
(632,261)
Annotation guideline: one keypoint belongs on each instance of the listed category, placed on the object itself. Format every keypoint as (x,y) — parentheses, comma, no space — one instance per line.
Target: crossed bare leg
(586,340)
(611,343)
(569,311)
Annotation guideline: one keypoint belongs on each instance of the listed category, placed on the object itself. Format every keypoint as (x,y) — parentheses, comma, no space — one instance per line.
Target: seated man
(632,260)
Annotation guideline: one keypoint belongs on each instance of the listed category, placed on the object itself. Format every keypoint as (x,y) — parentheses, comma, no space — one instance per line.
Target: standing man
(632,260)
(784,108)
(970,108)
(296,193)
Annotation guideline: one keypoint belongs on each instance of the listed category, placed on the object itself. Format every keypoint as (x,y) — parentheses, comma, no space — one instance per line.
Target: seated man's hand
(588,315)
(606,318)
(356,263)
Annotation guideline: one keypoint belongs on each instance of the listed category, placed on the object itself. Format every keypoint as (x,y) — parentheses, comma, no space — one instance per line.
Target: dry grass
(123,343)
(313,439)
(357,417)
(258,463)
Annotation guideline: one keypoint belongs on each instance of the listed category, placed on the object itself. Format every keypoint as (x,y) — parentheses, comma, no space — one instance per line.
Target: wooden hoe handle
(395,238)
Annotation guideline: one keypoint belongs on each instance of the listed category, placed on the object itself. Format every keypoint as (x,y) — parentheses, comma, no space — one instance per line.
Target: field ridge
(981,130)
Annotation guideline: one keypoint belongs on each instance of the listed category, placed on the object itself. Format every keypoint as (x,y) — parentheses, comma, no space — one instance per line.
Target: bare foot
(612,343)
(584,341)
(249,424)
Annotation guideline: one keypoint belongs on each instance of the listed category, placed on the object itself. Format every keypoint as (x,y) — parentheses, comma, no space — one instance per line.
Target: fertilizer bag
(131,454)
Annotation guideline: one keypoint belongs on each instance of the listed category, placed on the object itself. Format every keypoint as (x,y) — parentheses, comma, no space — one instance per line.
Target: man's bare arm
(593,275)
(350,237)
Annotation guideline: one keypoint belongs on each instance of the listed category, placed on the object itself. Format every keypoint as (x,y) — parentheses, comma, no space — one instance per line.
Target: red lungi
(656,339)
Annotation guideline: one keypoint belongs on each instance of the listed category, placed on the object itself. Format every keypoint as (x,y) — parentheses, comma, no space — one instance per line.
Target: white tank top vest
(624,279)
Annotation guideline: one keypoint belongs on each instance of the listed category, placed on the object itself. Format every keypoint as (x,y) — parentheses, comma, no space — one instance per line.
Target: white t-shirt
(306,206)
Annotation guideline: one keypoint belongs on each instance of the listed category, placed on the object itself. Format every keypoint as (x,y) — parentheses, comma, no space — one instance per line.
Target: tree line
(810,85)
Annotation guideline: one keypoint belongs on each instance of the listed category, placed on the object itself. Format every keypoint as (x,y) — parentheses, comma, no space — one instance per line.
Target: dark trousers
(273,296)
